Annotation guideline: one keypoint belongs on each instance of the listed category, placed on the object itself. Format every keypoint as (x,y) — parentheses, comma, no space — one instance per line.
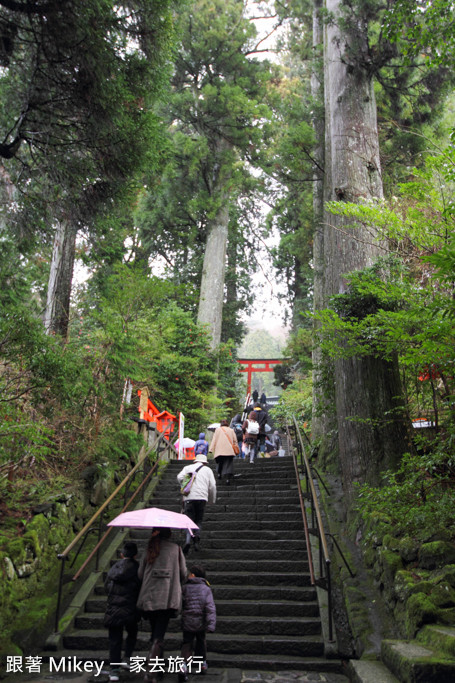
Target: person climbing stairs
(254,554)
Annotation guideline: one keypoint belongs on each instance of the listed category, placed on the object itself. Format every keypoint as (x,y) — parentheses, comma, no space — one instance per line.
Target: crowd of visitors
(159,586)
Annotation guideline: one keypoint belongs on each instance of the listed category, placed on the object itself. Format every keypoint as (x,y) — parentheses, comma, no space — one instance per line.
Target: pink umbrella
(150,518)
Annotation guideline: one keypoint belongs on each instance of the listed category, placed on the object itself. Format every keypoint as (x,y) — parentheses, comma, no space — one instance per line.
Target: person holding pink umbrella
(162,570)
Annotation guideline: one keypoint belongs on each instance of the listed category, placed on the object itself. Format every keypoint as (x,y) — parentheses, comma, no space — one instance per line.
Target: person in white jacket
(203,491)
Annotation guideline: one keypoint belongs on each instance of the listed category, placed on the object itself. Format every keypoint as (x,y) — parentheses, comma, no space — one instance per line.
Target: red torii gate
(249,366)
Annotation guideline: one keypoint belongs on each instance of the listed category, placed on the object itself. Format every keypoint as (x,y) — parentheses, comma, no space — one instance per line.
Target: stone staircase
(253,550)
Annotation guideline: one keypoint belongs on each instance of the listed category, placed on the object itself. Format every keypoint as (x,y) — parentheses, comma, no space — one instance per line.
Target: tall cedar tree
(77,80)
(217,104)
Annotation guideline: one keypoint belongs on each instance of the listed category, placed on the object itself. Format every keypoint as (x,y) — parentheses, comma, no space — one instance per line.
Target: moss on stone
(420,610)
(32,538)
(436,554)
(40,525)
(443,595)
(390,542)
(408,549)
(446,574)
(369,557)
(407,583)
(377,526)
(391,563)
(17,550)
(439,637)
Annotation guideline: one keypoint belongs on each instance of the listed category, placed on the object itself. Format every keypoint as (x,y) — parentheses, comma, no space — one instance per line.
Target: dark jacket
(199,611)
(201,446)
(261,417)
(122,585)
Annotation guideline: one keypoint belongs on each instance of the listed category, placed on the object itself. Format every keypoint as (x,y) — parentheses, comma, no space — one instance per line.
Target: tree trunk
(323,423)
(56,316)
(371,436)
(211,299)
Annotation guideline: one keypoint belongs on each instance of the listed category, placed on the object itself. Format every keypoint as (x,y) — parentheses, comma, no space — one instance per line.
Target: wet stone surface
(290,677)
(212,676)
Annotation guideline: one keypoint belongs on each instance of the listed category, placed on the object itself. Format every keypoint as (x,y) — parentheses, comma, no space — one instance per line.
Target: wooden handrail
(314,498)
(302,508)
(87,526)
(320,528)
(108,531)
(63,556)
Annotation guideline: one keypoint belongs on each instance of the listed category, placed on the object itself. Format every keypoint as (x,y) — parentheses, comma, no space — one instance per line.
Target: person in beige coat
(222,447)
(162,571)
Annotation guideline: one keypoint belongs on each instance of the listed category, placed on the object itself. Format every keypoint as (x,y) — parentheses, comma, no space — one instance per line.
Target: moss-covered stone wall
(30,569)
(400,584)
(416,581)
(29,564)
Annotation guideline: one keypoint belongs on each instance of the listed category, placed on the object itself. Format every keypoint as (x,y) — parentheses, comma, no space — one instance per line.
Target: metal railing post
(329,600)
(62,558)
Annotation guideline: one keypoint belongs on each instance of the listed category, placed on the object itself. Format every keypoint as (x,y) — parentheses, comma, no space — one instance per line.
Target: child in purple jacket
(198,617)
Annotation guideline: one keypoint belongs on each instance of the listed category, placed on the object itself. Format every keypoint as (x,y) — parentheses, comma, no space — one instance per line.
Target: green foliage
(426,27)
(297,400)
(216,116)
(289,160)
(296,380)
(403,304)
(419,497)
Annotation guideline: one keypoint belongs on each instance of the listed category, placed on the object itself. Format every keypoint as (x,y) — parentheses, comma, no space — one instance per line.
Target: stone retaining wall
(30,568)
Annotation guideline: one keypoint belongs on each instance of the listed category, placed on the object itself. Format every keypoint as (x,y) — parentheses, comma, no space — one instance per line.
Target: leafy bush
(419,498)
(296,400)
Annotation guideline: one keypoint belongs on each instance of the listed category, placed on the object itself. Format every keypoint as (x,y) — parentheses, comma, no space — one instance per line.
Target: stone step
(260,578)
(233,495)
(279,519)
(266,567)
(218,514)
(217,541)
(239,644)
(370,671)
(285,462)
(218,663)
(233,606)
(248,472)
(240,485)
(439,637)
(411,661)
(258,525)
(253,549)
(227,506)
(244,535)
(232,554)
(257,595)
(227,624)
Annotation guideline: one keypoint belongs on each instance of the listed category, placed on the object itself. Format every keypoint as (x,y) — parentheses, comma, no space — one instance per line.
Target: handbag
(235,446)
(188,481)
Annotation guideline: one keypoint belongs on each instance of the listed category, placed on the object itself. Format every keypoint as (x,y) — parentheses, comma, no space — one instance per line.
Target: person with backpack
(261,416)
(236,425)
(202,491)
(250,435)
(201,447)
